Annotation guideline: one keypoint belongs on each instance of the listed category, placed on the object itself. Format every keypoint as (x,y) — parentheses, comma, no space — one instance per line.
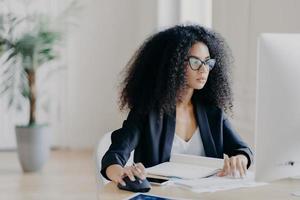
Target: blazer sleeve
(233,143)
(123,142)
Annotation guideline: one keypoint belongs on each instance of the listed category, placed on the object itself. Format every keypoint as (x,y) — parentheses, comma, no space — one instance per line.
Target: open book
(187,167)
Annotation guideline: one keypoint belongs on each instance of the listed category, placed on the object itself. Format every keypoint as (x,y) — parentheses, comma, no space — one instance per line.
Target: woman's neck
(186,98)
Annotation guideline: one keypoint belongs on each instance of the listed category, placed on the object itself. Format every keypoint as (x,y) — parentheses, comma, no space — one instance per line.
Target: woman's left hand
(235,166)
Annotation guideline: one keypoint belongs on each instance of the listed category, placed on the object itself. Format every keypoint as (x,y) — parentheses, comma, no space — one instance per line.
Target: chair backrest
(100,150)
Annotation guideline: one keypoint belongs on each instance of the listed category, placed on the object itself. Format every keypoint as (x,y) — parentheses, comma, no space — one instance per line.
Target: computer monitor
(277,127)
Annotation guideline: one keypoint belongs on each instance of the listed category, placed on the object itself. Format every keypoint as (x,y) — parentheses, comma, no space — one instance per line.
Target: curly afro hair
(155,74)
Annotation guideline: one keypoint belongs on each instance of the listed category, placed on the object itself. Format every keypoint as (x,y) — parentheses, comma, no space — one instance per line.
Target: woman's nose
(203,68)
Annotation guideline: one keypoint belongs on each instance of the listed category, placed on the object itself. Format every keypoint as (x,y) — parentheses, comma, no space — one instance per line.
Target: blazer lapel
(208,142)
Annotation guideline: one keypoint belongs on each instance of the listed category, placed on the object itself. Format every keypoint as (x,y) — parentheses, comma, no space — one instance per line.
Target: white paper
(197,160)
(215,183)
(181,170)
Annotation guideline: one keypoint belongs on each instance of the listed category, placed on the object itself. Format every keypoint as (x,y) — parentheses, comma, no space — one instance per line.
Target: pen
(137,169)
(213,173)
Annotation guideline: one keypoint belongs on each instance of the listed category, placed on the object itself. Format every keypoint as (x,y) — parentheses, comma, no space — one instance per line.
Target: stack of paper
(215,183)
(194,173)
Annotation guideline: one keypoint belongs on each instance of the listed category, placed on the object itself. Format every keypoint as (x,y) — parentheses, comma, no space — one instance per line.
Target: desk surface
(276,190)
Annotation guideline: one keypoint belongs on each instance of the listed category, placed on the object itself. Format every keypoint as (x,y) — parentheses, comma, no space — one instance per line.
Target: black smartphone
(157,181)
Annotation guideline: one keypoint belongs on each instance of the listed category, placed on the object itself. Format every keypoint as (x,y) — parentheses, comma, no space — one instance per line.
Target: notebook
(181,170)
(186,167)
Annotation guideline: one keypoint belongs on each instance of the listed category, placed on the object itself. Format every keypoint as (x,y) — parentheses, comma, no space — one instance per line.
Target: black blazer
(151,137)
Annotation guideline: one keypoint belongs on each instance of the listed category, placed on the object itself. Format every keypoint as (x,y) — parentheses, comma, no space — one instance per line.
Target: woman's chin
(198,86)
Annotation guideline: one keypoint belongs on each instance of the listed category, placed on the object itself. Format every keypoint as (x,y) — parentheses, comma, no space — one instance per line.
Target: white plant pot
(33,146)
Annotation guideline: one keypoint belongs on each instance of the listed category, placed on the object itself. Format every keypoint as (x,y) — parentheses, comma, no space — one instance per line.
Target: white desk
(278,190)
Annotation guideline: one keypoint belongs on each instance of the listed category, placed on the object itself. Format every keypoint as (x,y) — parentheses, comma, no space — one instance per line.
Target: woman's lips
(201,79)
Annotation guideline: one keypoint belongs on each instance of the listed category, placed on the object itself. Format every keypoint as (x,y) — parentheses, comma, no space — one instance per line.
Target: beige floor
(68,175)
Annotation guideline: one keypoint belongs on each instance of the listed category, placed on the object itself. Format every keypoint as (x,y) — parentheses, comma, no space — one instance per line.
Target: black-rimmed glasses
(195,63)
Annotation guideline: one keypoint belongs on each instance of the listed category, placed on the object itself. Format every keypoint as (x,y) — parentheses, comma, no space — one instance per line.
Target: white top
(192,147)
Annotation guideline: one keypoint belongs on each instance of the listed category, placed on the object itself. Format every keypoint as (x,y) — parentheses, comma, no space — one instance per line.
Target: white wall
(109,33)
(173,12)
(240,22)
(196,11)
(7,133)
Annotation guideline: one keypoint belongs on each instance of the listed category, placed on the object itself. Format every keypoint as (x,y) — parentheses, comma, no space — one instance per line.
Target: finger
(239,166)
(137,169)
(140,171)
(128,172)
(221,173)
(121,181)
(233,166)
(118,179)
(244,165)
(226,166)
(141,167)
(117,176)
(137,172)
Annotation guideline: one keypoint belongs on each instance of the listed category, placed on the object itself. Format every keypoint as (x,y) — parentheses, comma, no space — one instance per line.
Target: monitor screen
(277,129)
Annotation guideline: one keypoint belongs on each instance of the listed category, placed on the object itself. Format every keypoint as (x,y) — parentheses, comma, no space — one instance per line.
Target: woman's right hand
(116,172)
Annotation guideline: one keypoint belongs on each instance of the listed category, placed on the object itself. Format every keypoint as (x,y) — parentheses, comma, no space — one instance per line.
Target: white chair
(100,150)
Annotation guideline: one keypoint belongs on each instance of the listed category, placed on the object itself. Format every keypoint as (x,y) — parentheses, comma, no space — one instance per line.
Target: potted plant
(27,42)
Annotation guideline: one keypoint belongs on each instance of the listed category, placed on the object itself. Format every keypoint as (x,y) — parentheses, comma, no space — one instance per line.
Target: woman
(176,87)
